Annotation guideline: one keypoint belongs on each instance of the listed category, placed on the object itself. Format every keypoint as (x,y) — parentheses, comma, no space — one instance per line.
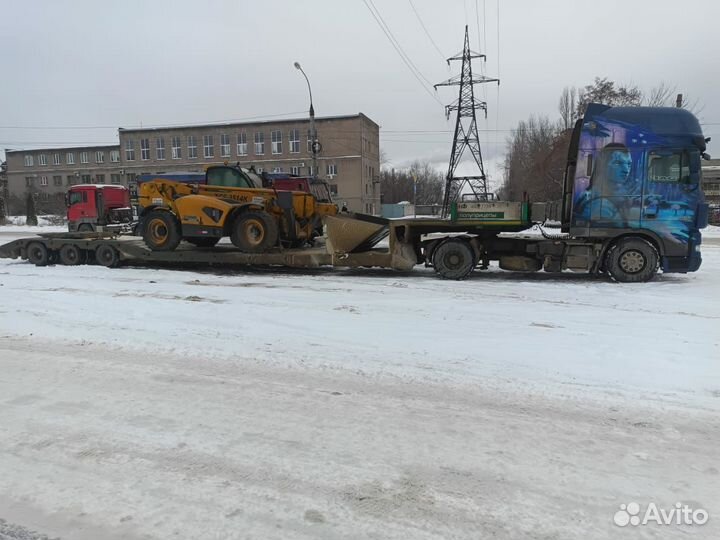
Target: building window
(259,170)
(294,138)
(129,151)
(99,157)
(160,147)
(175,146)
(295,170)
(192,147)
(333,189)
(57,180)
(130,177)
(99,178)
(84,157)
(114,156)
(56,159)
(29,181)
(259,144)
(242,144)
(276,140)
(208,146)
(85,178)
(29,162)
(69,179)
(224,145)
(277,169)
(43,181)
(70,158)
(311,171)
(331,170)
(114,178)
(42,159)
(144,149)
(309,141)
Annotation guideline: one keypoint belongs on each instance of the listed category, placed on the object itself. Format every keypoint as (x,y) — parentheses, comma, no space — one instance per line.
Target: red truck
(90,206)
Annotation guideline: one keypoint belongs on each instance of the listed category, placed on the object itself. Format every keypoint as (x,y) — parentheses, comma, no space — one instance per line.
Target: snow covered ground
(165,403)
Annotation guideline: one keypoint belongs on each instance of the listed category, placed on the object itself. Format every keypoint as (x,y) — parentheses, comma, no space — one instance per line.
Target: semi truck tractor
(90,206)
(632,204)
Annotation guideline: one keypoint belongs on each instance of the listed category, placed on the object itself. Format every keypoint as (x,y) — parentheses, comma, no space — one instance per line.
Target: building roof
(254,123)
(67,148)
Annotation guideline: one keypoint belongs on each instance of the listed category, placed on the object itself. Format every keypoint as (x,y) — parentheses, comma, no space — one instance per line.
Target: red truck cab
(90,206)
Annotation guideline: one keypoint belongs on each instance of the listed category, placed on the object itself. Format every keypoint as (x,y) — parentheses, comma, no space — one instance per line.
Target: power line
(154,126)
(426,31)
(416,73)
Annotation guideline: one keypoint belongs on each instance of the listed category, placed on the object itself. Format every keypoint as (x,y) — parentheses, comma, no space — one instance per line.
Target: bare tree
(419,183)
(568,106)
(535,161)
(608,93)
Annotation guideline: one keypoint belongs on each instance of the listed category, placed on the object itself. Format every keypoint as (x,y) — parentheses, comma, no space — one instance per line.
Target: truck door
(80,206)
(671,195)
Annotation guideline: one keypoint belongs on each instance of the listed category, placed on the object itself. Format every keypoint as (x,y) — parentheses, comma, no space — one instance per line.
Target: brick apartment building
(349,159)
(711,182)
(48,173)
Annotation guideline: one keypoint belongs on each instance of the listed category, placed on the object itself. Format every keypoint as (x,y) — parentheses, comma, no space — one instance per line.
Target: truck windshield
(76,197)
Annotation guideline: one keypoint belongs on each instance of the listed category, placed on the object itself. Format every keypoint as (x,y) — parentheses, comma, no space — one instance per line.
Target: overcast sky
(86,63)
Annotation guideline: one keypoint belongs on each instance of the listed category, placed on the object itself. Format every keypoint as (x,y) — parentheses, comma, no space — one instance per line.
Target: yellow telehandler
(228,202)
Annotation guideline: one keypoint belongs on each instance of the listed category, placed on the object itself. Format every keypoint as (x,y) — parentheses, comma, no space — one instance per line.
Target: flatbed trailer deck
(352,242)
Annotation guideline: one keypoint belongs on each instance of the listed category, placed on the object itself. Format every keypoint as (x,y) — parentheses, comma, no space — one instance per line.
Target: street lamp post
(315,144)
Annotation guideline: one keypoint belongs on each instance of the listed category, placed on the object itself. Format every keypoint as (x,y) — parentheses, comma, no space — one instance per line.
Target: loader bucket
(354,233)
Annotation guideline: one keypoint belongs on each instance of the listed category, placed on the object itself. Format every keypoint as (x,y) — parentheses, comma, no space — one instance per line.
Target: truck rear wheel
(38,254)
(454,259)
(161,231)
(632,260)
(254,232)
(71,255)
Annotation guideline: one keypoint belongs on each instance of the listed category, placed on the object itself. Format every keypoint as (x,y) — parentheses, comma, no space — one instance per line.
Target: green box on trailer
(491,212)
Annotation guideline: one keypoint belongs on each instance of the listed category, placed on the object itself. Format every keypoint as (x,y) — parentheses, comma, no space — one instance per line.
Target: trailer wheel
(454,259)
(107,255)
(71,255)
(85,227)
(632,260)
(254,232)
(205,242)
(161,231)
(38,254)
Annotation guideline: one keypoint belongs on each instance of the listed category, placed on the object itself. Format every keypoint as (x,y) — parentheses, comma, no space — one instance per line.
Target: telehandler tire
(161,231)
(254,232)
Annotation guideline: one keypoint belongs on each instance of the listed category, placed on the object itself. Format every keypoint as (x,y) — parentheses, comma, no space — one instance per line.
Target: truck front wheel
(161,231)
(254,232)
(632,260)
(454,259)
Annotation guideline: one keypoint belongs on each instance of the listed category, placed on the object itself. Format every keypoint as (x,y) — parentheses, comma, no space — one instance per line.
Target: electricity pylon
(466,132)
